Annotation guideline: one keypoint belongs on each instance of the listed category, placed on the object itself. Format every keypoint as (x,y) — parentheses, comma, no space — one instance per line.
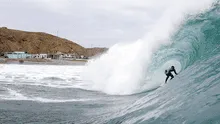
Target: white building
(39,56)
(69,56)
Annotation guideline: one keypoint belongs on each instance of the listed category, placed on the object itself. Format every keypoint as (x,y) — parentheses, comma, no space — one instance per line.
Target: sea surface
(56,94)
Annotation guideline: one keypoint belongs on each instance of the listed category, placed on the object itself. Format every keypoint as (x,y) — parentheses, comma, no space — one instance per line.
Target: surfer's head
(166,71)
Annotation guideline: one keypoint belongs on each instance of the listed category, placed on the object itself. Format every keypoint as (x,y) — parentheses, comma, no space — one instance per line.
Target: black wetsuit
(169,74)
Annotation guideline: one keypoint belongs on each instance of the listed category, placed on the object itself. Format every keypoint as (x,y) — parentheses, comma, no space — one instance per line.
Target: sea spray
(123,69)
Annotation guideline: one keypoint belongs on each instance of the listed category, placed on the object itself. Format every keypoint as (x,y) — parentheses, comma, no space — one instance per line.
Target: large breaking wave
(187,31)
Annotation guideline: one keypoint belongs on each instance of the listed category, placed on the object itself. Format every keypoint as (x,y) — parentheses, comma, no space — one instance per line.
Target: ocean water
(126,84)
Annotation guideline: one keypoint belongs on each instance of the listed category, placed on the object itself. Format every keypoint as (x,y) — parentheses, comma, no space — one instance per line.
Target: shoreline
(42,61)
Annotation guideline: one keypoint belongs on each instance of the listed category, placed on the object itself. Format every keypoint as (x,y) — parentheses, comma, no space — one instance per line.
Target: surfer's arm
(175,71)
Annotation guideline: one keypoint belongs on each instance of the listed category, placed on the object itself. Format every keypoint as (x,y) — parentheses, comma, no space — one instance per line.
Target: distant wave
(15,95)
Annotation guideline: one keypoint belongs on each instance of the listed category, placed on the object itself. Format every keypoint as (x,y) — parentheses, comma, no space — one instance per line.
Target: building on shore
(39,56)
(57,55)
(17,55)
(63,56)
(70,56)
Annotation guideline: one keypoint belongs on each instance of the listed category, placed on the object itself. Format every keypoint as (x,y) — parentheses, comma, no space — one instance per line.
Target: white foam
(41,75)
(122,70)
(14,95)
(45,100)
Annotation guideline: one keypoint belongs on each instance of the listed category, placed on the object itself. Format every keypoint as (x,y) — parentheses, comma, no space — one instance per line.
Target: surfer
(169,74)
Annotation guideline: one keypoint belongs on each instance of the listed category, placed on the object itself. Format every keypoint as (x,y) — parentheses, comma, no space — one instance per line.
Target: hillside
(95,51)
(36,42)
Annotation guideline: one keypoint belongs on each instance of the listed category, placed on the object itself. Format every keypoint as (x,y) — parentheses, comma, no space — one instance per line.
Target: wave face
(139,66)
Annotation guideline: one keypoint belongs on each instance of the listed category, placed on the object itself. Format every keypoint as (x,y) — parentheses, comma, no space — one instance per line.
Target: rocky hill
(95,51)
(36,42)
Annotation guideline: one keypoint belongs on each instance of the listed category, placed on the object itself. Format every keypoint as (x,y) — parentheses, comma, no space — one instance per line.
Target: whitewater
(125,85)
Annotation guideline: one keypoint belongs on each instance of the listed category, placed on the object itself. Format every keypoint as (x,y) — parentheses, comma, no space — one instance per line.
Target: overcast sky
(97,23)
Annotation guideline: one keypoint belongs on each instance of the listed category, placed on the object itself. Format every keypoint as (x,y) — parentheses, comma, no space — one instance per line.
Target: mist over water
(127,68)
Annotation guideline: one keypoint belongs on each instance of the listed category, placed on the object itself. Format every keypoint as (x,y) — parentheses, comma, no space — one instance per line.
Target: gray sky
(86,22)
(97,23)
